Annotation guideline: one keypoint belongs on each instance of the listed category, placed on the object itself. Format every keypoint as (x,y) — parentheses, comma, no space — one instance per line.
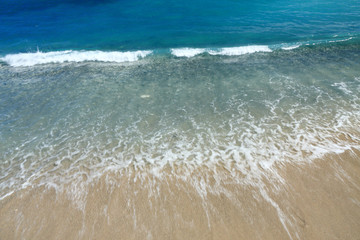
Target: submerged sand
(318,200)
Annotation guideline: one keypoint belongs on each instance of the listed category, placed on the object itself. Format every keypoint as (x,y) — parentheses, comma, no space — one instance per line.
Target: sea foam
(234,51)
(230,51)
(30,59)
(290,47)
(187,52)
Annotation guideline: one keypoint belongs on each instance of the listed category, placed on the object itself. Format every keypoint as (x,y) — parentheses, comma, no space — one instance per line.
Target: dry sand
(319,200)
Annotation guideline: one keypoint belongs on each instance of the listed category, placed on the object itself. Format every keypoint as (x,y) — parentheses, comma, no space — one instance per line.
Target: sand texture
(319,200)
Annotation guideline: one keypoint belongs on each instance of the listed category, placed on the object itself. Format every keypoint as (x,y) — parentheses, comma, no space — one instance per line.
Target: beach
(307,201)
(175,120)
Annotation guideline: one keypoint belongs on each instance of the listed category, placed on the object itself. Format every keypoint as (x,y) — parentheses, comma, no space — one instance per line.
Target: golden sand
(318,200)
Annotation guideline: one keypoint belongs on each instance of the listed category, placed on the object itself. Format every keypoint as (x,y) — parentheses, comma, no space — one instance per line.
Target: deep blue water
(27,25)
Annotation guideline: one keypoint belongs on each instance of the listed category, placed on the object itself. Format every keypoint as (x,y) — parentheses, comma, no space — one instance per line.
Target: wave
(234,51)
(187,52)
(31,59)
(290,47)
(230,51)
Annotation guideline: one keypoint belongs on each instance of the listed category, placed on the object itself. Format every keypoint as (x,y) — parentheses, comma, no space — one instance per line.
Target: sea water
(89,87)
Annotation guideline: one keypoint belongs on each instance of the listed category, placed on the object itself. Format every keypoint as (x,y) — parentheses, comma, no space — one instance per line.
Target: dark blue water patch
(12,7)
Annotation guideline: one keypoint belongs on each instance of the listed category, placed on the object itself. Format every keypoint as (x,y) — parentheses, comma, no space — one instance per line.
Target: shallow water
(63,122)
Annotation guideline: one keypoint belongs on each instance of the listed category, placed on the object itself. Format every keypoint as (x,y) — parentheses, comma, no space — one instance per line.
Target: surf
(41,57)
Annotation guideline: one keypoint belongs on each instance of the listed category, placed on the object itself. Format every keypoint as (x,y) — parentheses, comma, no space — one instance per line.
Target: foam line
(30,59)
(291,47)
(230,51)
(187,52)
(234,51)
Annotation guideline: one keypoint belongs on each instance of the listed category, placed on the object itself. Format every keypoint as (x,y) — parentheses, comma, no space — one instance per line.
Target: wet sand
(318,200)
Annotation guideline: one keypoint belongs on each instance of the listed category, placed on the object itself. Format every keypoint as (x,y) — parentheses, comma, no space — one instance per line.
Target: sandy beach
(319,200)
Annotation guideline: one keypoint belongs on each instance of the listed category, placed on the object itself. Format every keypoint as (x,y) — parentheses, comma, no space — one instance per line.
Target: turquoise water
(27,25)
(88,88)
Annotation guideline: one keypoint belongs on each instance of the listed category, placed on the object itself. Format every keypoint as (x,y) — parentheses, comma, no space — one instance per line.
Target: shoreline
(318,200)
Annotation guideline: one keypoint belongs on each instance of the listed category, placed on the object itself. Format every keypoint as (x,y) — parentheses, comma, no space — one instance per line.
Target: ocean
(206,93)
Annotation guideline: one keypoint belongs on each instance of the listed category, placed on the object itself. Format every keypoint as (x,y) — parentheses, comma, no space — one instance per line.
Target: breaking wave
(31,59)
(35,58)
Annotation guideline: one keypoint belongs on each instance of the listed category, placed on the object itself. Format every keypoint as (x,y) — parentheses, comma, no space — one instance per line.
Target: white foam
(230,51)
(343,87)
(291,47)
(234,51)
(342,40)
(187,52)
(30,59)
